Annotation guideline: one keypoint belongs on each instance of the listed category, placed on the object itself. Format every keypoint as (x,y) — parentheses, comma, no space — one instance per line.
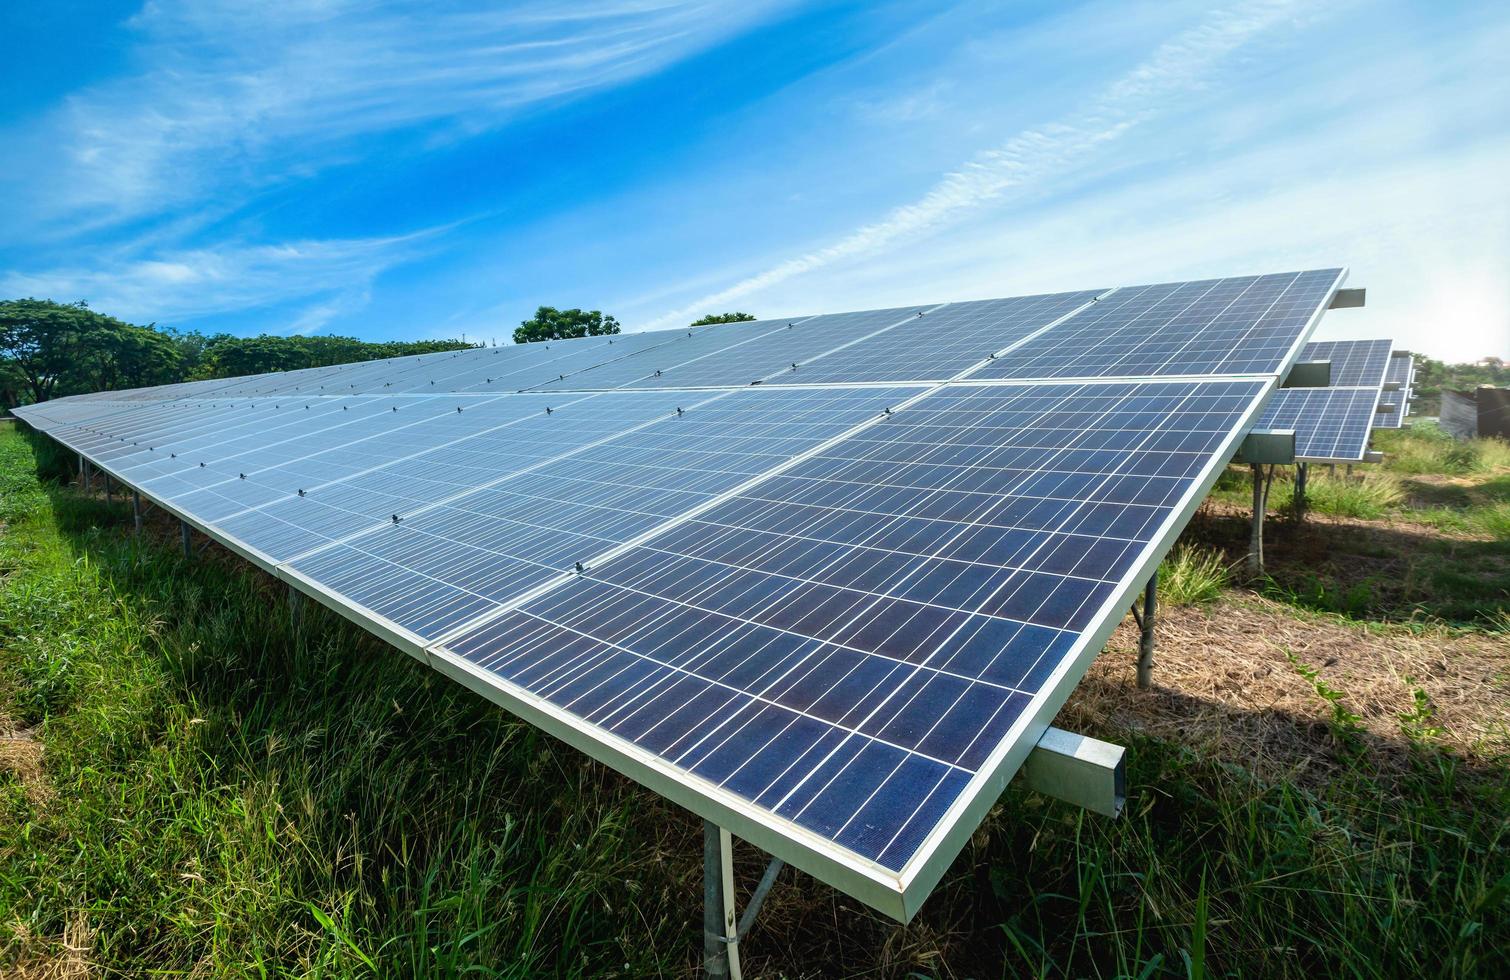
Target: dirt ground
(1225,683)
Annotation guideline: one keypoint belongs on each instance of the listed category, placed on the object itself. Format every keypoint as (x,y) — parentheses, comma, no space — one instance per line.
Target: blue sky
(397,170)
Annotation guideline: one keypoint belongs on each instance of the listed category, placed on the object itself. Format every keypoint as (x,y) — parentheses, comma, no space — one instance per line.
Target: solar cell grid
(1239,326)
(687,347)
(791,348)
(435,570)
(896,599)
(1355,363)
(944,341)
(1331,424)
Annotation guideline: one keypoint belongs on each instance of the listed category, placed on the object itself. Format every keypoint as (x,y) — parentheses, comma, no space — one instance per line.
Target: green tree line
(1433,376)
(49,350)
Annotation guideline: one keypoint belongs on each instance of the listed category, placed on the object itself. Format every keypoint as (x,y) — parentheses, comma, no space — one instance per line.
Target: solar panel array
(823,580)
(1401,377)
(1332,424)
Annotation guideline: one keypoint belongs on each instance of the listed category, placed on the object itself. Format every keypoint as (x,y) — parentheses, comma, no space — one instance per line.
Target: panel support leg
(109,497)
(88,477)
(717,958)
(1302,479)
(296,611)
(136,511)
(1145,620)
(1256,536)
(185,535)
(722,929)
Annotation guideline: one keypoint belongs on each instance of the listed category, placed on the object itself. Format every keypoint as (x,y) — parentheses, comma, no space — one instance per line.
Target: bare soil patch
(1225,684)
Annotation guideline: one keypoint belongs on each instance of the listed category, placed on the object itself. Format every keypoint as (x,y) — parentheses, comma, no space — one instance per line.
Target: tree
(550,323)
(67,348)
(721,318)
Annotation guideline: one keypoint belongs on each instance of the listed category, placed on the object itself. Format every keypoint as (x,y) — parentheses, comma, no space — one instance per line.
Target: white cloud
(240,96)
(333,276)
(1037,155)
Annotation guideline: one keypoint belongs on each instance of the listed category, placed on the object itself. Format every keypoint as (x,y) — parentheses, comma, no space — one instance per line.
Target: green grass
(232,800)
(1192,574)
(1426,448)
(1370,497)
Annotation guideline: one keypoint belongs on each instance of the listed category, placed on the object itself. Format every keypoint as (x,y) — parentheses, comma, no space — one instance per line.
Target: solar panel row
(1355,363)
(1402,373)
(832,611)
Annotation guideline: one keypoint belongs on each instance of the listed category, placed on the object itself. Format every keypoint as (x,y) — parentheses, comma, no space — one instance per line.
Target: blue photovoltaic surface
(846,643)
(1242,325)
(1401,367)
(798,342)
(1355,363)
(1329,423)
(449,564)
(943,342)
(686,347)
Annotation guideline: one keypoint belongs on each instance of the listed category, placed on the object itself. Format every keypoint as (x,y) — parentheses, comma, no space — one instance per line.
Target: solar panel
(832,612)
(1402,373)
(688,347)
(1331,424)
(849,646)
(775,352)
(1400,370)
(1355,363)
(944,341)
(1237,326)
(453,561)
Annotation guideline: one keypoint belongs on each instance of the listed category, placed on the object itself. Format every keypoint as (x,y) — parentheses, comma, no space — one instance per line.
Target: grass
(1370,497)
(1192,575)
(1426,448)
(233,799)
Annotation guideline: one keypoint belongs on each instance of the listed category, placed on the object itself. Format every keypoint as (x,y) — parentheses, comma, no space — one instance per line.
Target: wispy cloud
(242,96)
(332,277)
(1037,155)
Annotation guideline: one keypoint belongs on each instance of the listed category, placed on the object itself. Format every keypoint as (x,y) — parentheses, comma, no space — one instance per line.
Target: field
(1317,786)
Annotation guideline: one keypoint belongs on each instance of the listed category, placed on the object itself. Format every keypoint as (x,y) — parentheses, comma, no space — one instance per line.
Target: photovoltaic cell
(943,342)
(1355,363)
(846,645)
(1331,424)
(791,348)
(1237,326)
(451,563)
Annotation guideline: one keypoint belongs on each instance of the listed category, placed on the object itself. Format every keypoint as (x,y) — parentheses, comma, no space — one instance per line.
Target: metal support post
(1302,478)
(296,611)
(109,499)
(716,959)
(184,534)
(1145,620)
(88,476)
(136,511)
(1256,537)
(722,929)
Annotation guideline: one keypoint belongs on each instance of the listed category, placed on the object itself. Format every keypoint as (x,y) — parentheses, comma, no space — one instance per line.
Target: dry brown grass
(21,757)
(1225,686)
(66,958)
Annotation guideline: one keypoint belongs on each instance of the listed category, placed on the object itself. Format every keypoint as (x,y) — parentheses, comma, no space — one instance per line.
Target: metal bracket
(1373,456)
(1309,374)
(1348,299)
(722,931)
(1078,769)
(1268,446)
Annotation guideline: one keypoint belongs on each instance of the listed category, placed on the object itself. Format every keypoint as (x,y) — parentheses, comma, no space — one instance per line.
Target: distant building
(1484,411)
